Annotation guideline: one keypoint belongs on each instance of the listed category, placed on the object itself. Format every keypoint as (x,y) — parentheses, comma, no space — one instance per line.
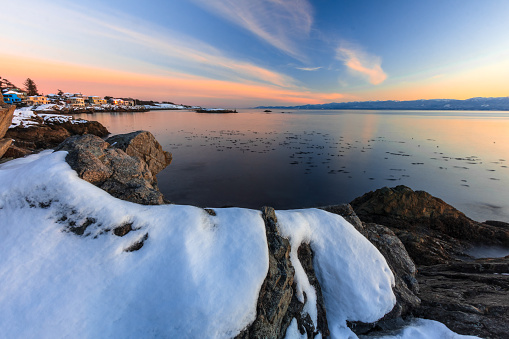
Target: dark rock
(276,291)
(277,302)
(136,246)
(305,255)
(4,145)
(120,231)
(123,176)
(49,135)
(143,145)
(495,223)
(6,114)
(41,136)
(347,212)
(432,231)
(402,266)
(89,127)
(470,298)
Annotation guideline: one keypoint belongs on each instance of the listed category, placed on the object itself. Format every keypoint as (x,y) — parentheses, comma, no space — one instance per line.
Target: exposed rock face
(276,292)
(16,152)
(123,176)
(277,301)
(468,297)
(46,136)
(402,266)
(6,114)
(143,145)
(432,231)
(4,145)
(38,137)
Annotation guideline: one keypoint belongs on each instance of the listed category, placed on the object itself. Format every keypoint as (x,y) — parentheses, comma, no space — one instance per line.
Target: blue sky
(246,53)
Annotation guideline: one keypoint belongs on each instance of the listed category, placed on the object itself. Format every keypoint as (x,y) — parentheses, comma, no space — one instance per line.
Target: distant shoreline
(472,104)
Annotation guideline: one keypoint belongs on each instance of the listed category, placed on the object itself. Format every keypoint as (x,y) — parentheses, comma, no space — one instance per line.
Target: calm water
(314,158)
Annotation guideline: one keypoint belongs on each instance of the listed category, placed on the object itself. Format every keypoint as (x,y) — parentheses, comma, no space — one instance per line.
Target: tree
(30,87)
(60,93)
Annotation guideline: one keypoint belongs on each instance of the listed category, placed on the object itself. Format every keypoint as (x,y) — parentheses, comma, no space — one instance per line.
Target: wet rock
(143,145)
(111,169)
(432,231)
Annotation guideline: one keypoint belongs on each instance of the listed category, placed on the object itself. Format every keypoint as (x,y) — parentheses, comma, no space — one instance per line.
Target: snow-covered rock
(77,262)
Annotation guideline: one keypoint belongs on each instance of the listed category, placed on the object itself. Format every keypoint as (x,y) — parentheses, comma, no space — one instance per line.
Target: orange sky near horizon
(50,76)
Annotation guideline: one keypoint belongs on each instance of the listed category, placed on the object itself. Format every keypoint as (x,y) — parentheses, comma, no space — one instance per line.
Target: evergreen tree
(30,87)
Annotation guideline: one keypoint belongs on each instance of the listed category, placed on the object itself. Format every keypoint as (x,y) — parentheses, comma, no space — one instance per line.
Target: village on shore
(67,103)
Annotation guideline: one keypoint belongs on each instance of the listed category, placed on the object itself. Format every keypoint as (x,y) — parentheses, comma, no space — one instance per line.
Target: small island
(215,110)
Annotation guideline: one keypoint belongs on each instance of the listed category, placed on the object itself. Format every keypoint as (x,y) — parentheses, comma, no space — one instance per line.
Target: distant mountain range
(473,104)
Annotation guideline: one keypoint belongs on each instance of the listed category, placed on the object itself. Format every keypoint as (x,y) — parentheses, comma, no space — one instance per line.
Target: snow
(426,329)
(196,276)
(26,117)
(355,279)
(292,332)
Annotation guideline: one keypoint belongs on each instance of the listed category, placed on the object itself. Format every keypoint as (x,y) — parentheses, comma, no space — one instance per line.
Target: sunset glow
(243,54)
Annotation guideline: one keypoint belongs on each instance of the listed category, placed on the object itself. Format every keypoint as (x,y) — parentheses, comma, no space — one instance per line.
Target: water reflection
(313,158)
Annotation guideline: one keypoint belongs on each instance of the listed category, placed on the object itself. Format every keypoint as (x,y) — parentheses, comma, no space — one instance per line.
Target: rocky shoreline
(424,240)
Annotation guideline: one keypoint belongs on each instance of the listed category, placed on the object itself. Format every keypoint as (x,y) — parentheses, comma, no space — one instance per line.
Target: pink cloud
(361,63)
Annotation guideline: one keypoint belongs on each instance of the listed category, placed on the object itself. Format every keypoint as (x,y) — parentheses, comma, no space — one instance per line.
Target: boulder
(6,114)
(432,231)
(143,145)
(38,137)
(89,127)
(125,177)
(469,296)
(49,135)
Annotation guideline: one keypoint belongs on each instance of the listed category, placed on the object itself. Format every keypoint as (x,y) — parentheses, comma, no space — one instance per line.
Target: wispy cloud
(281,23)
(309,69)
(181,88)
(361,63)
(103,39)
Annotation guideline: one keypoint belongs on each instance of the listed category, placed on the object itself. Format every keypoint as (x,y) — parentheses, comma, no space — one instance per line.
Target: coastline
(383,217)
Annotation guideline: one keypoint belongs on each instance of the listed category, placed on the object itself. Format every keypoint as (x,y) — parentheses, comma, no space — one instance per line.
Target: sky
(245,53)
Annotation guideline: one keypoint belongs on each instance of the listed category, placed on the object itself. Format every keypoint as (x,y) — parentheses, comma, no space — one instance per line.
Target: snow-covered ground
(196,276)
(26,117)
